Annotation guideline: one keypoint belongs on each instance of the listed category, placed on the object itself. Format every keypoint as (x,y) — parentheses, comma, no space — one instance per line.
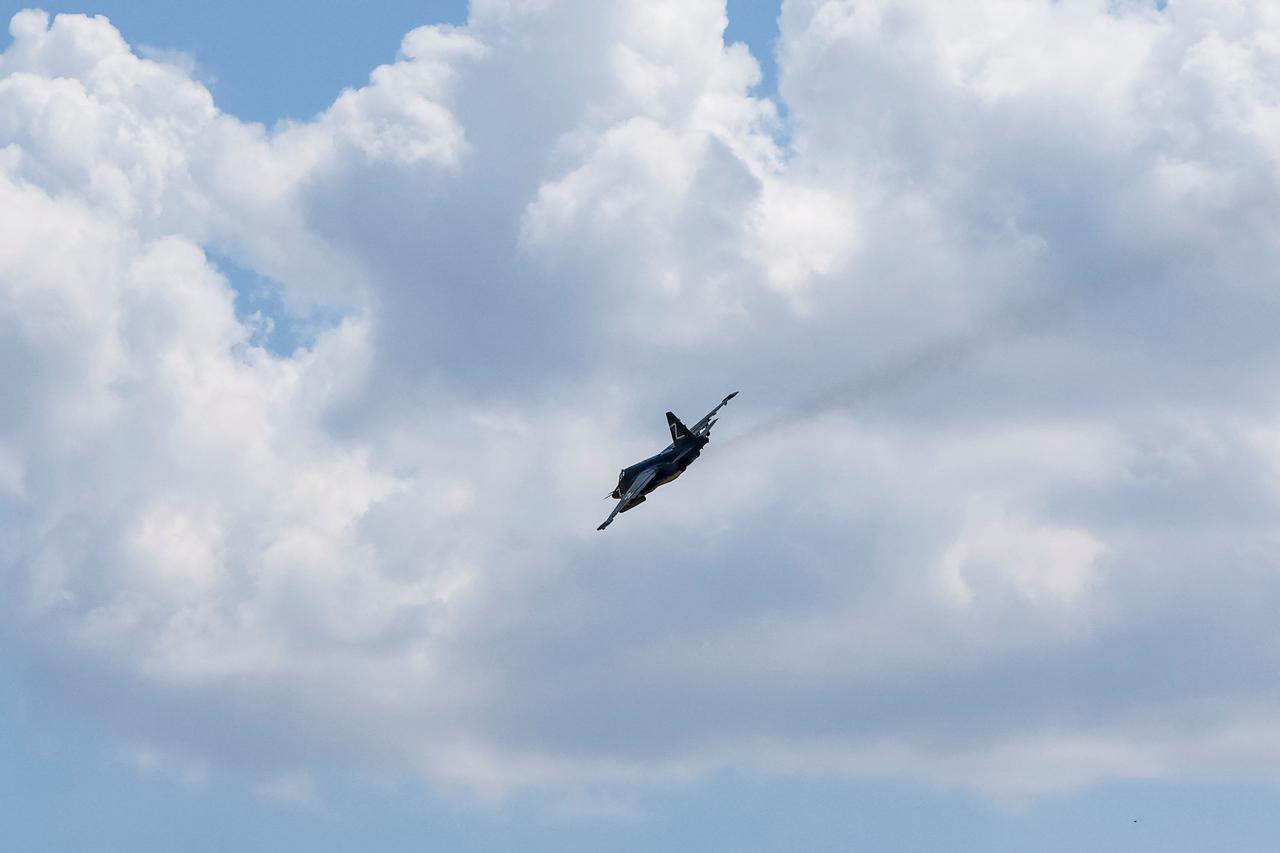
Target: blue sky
(268,61)
(327,587)
(65,789)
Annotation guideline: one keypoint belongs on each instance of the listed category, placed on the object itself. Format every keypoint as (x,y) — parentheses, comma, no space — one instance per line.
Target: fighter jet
(637,481)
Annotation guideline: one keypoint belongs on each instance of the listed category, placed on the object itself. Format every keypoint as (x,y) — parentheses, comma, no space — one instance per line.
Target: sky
(323,331)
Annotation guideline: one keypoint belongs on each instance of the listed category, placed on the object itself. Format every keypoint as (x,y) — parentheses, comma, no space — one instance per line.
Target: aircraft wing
(703,426)
(638,484)
(637,487)
(609,520)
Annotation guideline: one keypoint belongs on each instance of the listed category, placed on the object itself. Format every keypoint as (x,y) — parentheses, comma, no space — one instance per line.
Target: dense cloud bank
(998,289)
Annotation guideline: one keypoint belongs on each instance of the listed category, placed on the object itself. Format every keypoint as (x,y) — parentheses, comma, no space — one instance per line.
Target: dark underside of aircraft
(637,481)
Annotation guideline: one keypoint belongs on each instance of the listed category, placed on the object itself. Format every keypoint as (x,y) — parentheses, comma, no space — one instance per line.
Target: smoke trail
(942,354)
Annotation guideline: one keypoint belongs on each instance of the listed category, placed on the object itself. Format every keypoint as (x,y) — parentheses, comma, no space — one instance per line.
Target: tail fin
(678,430)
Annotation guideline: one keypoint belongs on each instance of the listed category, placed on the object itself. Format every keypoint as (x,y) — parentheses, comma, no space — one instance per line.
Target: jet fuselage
(669,464)
(638,480)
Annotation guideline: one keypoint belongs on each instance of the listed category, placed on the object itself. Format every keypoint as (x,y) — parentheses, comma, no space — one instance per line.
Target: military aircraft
(637,481)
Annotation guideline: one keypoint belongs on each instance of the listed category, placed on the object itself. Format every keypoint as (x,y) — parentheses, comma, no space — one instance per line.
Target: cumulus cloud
(1009,547)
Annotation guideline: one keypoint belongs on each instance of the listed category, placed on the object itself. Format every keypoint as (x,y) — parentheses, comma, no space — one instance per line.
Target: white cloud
(1041,564)
(400,116)
(1035,556)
